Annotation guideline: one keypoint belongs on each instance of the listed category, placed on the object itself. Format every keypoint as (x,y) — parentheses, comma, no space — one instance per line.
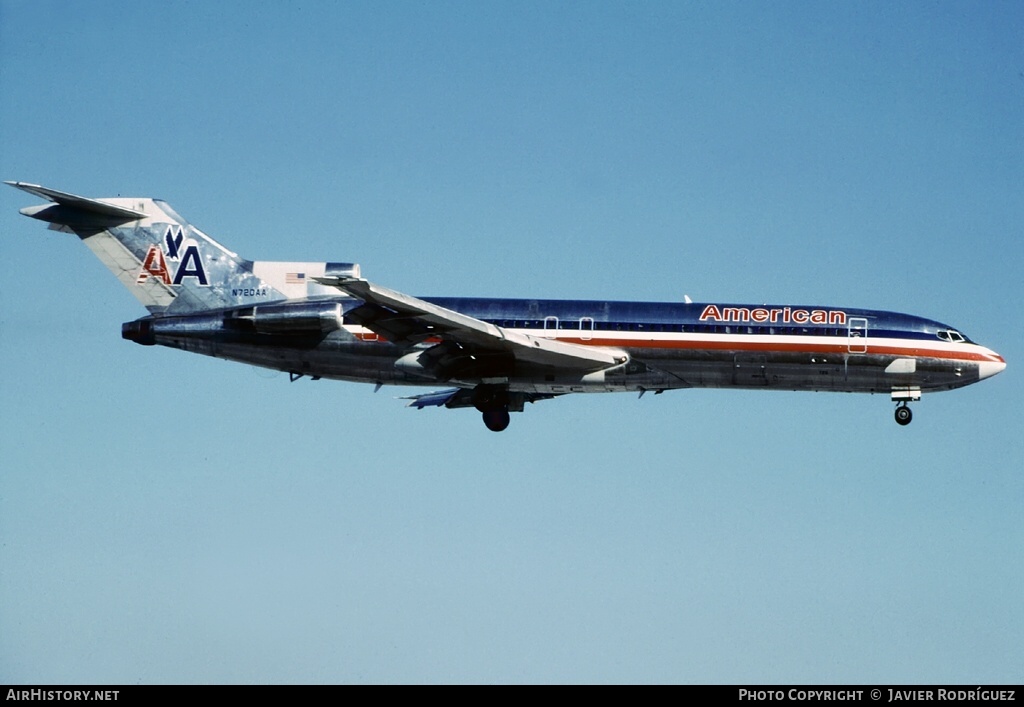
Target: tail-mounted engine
(294,318)
(311,320)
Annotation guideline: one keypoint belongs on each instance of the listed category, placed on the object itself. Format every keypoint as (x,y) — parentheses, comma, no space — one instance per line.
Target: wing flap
(437,398)
(466,397)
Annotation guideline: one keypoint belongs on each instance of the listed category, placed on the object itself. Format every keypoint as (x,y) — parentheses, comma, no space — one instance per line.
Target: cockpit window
(950,335)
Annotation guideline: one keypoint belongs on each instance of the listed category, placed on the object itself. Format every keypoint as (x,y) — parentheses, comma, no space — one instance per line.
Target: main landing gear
(493,402)
(903,414)
(496,420)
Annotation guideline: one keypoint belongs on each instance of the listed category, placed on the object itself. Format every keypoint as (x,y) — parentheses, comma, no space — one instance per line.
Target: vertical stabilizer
(168,264)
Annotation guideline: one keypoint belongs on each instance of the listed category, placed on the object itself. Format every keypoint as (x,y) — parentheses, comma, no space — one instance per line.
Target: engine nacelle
(296,318)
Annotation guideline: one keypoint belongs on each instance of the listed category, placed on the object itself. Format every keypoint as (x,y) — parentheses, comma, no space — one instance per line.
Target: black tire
(904,415)
(496,420)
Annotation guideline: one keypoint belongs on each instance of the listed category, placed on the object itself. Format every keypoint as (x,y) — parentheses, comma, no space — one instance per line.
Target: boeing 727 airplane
(323,320)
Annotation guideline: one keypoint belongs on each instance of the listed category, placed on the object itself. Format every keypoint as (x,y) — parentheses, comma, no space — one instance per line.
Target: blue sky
(171,518)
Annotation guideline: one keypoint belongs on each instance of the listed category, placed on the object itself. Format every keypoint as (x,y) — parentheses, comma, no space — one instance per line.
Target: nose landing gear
(903,414)
(902,396)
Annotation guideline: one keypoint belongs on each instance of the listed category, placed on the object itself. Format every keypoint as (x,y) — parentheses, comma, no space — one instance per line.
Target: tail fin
(169,265)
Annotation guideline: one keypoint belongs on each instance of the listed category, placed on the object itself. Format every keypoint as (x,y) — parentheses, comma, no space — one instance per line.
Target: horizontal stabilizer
(72,201)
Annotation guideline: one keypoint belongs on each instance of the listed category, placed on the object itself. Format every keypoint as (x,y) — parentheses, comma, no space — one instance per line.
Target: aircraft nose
(987,369)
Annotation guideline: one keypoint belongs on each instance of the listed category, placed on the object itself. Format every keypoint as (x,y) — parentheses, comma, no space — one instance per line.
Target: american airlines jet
(323,320)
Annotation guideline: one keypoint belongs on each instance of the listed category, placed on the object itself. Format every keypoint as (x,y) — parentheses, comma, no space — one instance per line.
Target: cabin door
(857,335)
(586,328)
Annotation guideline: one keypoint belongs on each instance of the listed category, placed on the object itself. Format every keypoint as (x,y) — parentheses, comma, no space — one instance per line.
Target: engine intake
(341,270)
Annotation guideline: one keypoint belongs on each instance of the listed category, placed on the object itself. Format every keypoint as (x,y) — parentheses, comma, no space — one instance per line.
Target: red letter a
(154,266)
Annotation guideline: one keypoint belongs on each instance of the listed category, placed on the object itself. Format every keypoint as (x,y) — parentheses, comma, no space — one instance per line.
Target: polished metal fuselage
(668,348)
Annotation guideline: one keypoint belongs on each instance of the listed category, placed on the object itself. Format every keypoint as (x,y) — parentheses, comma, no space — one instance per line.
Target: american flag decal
(295,278)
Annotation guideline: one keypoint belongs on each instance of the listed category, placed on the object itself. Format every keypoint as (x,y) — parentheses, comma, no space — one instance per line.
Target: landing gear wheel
(496,420)
(903,414)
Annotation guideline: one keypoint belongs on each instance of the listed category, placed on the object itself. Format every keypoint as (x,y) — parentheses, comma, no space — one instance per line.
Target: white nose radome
(987,369)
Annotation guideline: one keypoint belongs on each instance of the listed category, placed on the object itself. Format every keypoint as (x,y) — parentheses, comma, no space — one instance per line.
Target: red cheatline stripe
(777,347)
(782,347)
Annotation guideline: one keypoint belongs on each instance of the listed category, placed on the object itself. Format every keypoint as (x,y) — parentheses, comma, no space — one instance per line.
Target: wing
(470,347)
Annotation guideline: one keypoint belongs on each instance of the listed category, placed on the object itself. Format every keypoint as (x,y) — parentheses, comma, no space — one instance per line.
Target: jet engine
(296,318)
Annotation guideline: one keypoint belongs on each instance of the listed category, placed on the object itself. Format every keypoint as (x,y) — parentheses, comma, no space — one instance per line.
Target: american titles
(773,315)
